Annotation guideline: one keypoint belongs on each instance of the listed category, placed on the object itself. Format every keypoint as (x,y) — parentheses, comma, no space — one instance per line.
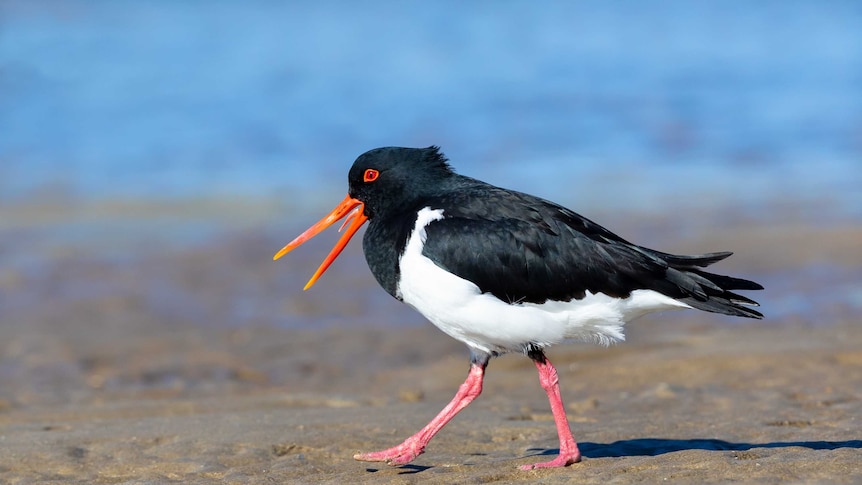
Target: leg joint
(535,353)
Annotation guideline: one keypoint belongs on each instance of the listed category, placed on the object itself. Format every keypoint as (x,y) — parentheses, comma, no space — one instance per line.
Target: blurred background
(155,154)
(173,100)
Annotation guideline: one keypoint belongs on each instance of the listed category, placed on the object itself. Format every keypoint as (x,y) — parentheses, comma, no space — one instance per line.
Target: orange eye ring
(370,175)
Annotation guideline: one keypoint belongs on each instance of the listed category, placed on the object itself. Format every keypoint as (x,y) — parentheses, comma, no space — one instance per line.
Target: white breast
(482,321)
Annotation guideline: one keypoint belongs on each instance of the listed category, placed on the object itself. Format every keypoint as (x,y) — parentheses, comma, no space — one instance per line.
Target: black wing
(522,248)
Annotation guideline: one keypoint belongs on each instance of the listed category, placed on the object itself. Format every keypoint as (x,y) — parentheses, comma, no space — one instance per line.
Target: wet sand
(171,368)
(695,403)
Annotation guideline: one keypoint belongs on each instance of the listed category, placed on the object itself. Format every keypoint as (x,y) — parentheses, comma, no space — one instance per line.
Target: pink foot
(397,455)
(560,461)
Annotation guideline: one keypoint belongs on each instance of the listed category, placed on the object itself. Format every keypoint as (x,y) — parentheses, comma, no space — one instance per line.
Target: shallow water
(600,103)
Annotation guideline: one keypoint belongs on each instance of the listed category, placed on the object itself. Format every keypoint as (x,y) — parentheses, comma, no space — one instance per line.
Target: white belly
(482,321)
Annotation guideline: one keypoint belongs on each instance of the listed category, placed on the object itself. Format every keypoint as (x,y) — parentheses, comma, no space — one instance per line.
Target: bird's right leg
(415,445)
(550,381)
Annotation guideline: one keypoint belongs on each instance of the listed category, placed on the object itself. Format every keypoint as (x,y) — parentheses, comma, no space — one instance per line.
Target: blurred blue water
(618,102)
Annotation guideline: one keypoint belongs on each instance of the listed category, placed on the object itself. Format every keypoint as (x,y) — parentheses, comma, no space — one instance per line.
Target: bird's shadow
(660,446)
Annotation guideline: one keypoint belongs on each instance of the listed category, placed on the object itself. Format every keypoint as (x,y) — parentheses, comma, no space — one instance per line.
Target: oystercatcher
(504,271)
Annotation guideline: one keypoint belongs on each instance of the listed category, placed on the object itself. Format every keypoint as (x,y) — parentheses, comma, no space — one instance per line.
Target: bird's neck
(383,245)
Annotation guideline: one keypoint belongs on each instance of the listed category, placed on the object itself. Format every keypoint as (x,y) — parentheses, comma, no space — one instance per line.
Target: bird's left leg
(415,445)
(569,452)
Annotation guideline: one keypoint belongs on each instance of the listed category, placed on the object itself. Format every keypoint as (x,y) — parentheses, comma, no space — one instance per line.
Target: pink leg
(569,452)
(415,445)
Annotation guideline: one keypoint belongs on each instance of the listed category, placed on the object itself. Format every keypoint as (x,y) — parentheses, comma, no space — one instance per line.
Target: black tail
(706,291)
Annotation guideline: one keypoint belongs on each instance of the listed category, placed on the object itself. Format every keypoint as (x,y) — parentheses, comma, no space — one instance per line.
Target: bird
(506,272)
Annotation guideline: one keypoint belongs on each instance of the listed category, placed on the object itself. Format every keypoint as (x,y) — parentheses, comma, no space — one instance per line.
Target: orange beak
(350,207)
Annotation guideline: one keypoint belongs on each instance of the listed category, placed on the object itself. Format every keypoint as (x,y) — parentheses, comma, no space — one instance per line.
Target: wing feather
(522,248)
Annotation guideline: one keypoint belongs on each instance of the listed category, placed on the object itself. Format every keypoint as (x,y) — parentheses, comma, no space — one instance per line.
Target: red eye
(370,175)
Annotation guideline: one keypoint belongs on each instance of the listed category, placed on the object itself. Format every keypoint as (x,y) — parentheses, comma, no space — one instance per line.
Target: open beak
(350,207)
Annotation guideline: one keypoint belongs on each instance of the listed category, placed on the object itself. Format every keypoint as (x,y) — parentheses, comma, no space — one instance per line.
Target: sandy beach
(102,384)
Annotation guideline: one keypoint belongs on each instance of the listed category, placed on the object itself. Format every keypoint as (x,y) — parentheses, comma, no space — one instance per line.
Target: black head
(382,181)
(395,178)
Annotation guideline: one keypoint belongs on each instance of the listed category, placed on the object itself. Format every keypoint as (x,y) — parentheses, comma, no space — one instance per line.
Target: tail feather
(728,282)
(737,298)
(683,261)
(724,306)
(708,291)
